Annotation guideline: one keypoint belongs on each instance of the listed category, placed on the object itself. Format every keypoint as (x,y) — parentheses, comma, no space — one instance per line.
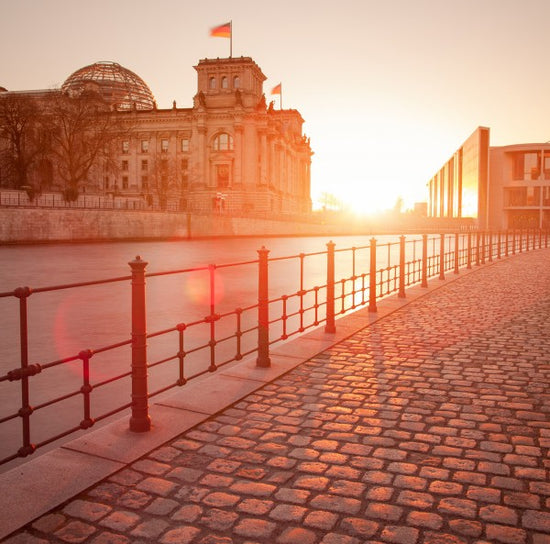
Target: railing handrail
(306,307)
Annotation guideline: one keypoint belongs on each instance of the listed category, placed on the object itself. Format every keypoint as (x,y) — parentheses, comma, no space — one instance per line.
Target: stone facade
(37,225)
(229,152)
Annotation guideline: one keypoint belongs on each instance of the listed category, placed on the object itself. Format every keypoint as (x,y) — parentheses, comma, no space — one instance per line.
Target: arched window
(212,83)
(223,142)
(236,82)
(224,83)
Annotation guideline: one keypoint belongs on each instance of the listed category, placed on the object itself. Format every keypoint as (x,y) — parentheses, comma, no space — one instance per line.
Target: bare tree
(164,183)
(331,202)
(23,142)
(84,131)
(398,206)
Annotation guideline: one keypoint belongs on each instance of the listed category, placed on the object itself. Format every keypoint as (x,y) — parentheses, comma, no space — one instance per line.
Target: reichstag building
(230,151)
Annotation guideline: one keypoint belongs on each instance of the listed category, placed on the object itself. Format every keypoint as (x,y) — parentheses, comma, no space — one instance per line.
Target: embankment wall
(34,225)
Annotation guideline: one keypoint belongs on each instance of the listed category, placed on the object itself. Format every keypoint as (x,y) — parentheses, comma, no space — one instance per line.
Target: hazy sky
(388,89)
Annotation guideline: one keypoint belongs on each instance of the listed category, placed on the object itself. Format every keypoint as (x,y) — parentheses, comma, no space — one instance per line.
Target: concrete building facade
(493,187)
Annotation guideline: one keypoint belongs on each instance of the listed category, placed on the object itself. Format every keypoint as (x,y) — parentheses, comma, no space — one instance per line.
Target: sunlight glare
(197,288)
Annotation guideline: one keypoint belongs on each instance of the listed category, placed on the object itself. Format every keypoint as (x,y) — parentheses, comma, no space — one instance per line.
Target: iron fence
(354,277)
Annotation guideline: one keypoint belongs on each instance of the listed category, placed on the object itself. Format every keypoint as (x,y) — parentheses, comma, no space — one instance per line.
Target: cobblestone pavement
(430,426)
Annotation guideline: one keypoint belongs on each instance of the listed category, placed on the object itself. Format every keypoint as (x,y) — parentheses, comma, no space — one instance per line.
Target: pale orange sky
(388,89)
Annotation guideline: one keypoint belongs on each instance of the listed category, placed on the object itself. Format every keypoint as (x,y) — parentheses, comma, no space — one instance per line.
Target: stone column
(238,172)
(202,156)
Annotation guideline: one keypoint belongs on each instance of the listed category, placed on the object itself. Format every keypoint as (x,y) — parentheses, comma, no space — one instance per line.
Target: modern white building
(501,187)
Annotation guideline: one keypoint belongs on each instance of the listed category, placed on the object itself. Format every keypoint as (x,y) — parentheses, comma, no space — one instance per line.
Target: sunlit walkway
(432,425)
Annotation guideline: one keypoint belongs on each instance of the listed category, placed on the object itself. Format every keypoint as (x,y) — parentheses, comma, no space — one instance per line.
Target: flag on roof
(221,31)
(276,89)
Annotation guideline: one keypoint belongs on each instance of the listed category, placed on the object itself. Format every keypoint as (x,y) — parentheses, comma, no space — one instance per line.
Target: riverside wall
(37,225)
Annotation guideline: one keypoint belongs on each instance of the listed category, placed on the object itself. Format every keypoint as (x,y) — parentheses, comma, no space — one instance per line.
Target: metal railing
(122,203)
(20,199)
(355,277)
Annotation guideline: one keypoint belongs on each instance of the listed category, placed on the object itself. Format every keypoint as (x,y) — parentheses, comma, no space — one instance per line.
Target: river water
(61,323)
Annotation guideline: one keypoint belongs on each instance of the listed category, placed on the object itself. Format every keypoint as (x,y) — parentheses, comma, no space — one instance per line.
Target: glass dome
(116,84)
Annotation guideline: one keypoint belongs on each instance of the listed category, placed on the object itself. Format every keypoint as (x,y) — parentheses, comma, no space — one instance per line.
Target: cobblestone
(429,426)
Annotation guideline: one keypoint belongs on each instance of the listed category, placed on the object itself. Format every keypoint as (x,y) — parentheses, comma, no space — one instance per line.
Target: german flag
(276,89)
(222,31)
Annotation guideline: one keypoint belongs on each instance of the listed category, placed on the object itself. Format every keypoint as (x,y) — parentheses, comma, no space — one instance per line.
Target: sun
(359,197)
(371,198)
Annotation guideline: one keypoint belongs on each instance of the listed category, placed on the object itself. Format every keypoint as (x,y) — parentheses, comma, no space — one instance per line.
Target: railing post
(498,244)
(514,242)
(490,234)
(212,317)
(457,256)
(330,325)
(22,293)
(140,420)
(469,255)
(401,267)
(442,257)
(372,276)
(520,240)
(263,359)
(424,260)
(506,243)
(478,246)
(482,247)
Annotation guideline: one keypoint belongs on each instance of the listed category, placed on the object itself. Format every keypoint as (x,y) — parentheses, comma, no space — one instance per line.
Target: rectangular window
(144,146)
(184,172)
(144,164)
(546,167)
(532,162)
(185,145)
(125,182)
(518,166)
(533,196)
(222,171)
(125,146)
(516,196)
(164,145)
(106,182)
(527,166)
(125,166)
(145,182)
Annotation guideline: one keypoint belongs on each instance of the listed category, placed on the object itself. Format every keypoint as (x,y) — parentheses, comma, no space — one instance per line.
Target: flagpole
(281,98)
(231,38)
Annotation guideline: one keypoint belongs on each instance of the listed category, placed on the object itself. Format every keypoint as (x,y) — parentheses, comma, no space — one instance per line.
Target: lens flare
(198,289)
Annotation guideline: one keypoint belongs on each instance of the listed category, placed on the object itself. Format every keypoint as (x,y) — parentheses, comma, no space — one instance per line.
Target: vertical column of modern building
(544,196)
